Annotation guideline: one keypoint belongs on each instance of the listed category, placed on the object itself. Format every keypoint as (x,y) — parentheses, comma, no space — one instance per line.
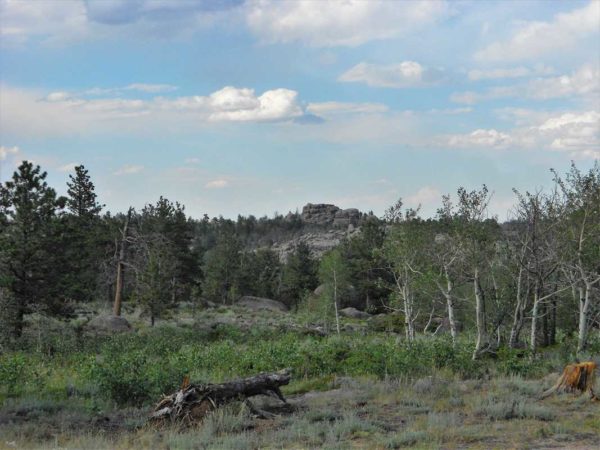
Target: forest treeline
(514,283)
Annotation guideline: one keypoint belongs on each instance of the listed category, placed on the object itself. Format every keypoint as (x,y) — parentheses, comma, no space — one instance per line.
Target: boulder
(320,290)
(108,324)
(260,303)
(354,313)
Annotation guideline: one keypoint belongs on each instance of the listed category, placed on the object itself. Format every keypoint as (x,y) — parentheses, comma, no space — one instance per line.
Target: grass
(359,390)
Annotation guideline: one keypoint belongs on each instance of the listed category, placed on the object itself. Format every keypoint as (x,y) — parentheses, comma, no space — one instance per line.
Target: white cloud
(129,170)
(401,75)
(535,39)
(69,21)
(575,133)
(339,22)
(20,20)
(219,183)
(68,167)
(59,113)
(5,152)
(480,138)
(232,104)
(511,72)
(59,96)
(424,196)
(583,83)
(192,160)
(325,108)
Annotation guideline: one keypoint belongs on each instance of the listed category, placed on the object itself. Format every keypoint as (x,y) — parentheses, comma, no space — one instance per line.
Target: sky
(261,106)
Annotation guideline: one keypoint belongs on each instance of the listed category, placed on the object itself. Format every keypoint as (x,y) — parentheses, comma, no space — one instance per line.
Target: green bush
(13,373)
(135,377)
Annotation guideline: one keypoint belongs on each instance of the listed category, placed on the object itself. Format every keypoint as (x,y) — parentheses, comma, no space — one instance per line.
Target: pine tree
(28,244)
(299,275)
(82,196)
(82,241)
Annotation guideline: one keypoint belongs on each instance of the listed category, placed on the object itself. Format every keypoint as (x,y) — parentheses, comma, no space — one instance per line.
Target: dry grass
(431,413)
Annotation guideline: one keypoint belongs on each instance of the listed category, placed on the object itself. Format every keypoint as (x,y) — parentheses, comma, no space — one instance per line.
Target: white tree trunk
(534,320)
(408,314)
(584,312)
(518,314)
(450,305)
(482,339)
(335,302)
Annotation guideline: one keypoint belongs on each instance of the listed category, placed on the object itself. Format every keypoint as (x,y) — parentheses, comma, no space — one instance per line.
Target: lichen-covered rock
(354,313)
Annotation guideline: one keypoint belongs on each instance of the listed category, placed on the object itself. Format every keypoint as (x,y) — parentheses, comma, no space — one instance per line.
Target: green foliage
(13,373)
(299,275)
(134,377)
(30,258)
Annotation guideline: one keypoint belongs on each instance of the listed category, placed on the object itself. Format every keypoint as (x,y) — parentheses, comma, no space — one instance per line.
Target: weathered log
(578,377)
(193,401)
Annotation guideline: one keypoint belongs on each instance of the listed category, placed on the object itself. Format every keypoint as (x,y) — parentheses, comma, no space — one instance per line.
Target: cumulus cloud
(583,82)
(219,183)
(576,133)
(242,105)
(5,152)
(63,112)
(401,75)
(339,22)
(535,39)
(480,138)
(128,169)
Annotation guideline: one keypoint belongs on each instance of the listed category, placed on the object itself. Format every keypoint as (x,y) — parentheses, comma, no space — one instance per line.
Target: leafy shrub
(135,377)
(13,373)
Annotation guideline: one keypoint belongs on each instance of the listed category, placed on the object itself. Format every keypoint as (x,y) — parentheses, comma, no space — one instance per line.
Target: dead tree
(194,401)
(121,266)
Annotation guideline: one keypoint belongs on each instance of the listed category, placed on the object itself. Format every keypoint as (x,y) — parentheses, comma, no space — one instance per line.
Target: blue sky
(252,107)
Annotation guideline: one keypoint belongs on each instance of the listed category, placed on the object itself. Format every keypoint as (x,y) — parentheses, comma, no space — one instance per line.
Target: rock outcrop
(324,214)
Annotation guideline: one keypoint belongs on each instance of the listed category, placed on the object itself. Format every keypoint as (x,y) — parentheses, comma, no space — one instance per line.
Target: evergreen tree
(81,193)
(165,235)
(83,242)
(28,244)
(222,268)
(299,275)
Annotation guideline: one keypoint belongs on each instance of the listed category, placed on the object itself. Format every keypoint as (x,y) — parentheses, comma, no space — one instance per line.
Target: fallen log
(194,401)
(578,377)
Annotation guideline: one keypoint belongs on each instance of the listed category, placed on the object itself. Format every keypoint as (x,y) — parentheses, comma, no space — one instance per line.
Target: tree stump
(194,401)
(578,377)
